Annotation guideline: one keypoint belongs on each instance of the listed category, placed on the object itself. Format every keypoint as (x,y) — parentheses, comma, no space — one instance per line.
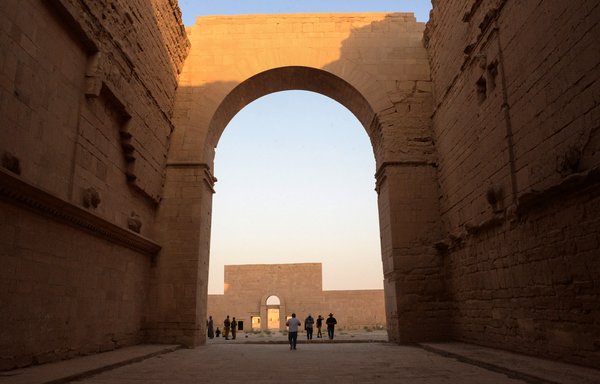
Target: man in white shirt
(293,325)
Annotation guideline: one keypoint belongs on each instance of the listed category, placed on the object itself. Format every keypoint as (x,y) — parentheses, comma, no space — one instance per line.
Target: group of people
(294,323)
(228,326)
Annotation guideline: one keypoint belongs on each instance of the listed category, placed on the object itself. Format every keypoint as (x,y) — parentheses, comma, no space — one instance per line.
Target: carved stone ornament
(494,196)
(91,198)
(134,223)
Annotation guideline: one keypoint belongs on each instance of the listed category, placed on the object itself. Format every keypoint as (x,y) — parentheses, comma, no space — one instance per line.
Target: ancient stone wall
(505,253)
(516,128)
(86,91)
(299,289)
(64,292)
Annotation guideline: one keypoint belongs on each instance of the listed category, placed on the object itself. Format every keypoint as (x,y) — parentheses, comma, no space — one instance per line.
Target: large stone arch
(284,79)
(375,65)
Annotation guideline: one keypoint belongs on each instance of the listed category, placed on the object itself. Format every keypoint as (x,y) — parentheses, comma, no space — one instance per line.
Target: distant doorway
(273,304)
(273,315)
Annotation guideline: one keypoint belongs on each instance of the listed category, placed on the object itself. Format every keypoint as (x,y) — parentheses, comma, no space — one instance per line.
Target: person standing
(226,327)
(308,326)
(233,328)
(293,323)
(319,325)
(210,326)
(331,322)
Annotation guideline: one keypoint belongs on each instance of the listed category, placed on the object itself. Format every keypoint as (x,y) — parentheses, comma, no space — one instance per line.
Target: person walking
(319,325)
(233,328)
(210,327)
(226,327)
(293,323)
(308,326)
(331,322)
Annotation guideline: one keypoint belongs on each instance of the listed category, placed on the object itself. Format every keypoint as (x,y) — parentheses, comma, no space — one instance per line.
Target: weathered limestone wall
(86,91)
(516,127)
(299,289)
(354,309)
(63,292)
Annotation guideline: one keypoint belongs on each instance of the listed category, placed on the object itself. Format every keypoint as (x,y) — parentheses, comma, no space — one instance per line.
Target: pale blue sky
(296,171)
(193,8)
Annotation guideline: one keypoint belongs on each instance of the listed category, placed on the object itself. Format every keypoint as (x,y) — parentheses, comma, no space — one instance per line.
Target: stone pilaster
(416,304)
(177,304)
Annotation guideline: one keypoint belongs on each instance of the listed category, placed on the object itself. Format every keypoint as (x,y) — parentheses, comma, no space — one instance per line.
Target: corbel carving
(568,162)
(134,222)
(494,196)
(91,198)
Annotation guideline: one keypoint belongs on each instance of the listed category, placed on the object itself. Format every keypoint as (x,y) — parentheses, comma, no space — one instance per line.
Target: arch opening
(286,79)
(273,315)
(316,182)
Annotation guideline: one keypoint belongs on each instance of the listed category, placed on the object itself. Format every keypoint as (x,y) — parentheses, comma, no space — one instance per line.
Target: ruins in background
(263,296)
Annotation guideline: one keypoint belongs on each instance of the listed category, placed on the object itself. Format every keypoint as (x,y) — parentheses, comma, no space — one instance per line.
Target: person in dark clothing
(308,327)
(331,322)
(319,325)
(226,327)
(210,327)
(233,328)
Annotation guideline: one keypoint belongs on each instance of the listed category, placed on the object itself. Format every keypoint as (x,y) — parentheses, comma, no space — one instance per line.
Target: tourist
(210,327)
(293,325)
(331,322)
(308,326)
(233,328)
(218,332)
(226,327)
(319,325)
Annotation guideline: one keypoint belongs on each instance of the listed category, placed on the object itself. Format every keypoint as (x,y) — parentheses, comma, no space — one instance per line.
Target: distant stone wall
(86,90)
(299,289)
(516,129)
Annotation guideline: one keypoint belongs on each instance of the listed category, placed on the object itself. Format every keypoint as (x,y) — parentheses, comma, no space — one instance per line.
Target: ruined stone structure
(516,123)
(484,127)
(297,288)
